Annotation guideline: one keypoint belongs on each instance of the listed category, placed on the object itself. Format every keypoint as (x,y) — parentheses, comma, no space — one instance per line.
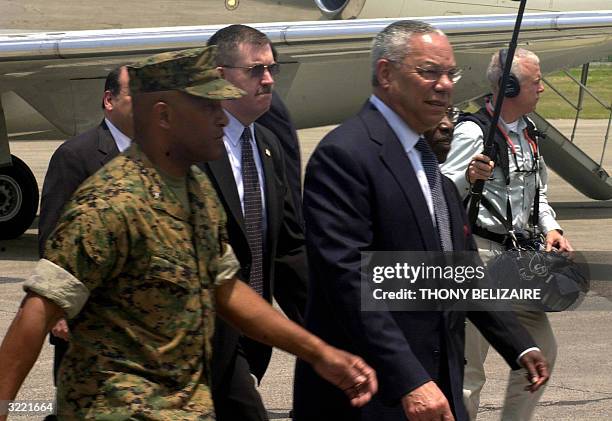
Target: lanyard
(533,146)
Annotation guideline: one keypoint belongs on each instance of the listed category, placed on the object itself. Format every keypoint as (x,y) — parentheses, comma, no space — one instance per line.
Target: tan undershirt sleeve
(228,266)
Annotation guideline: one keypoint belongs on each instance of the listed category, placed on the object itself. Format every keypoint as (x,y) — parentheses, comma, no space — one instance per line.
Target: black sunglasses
(257,70)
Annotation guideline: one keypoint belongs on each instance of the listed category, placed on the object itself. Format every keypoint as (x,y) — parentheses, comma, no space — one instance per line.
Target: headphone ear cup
(513,87)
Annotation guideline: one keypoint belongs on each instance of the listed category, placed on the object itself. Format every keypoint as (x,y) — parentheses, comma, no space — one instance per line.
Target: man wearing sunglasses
(263,228)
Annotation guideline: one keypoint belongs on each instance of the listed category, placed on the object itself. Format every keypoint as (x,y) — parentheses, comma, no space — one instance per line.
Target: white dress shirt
(231,139)
(121,140)
(408,138)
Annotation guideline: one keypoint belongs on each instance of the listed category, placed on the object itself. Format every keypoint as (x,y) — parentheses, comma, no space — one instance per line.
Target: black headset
(513,87)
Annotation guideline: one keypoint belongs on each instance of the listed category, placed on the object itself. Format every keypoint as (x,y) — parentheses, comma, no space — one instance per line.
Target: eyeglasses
(453,114)
(433,74)
(258,70)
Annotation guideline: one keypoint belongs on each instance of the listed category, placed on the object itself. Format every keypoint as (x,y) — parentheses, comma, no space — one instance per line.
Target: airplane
(57,73)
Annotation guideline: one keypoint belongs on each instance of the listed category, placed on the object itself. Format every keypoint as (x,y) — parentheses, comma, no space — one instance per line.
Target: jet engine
(366,9)
(362,9)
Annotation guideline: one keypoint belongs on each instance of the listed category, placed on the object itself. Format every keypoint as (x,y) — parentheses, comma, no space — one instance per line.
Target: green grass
(599,82)
(552,105)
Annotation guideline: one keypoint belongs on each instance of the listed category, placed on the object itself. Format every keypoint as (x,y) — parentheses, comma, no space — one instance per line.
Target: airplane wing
(60,73)
(325,73)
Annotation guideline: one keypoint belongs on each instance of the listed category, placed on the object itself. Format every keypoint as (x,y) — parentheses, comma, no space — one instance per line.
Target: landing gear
(18,199)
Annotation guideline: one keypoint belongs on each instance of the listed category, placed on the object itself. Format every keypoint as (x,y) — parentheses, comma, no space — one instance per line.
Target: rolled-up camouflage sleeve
(89,246)
(57,285)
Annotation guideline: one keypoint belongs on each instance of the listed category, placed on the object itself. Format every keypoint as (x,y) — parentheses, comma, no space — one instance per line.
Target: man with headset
(517,169)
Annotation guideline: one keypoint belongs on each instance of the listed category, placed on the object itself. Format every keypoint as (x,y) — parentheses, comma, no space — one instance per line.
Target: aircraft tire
(18,199)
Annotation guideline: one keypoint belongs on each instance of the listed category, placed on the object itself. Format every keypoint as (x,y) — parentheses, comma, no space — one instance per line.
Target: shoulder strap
(535,135)
(483,120)
(493,211)
(532,130)
(500,157)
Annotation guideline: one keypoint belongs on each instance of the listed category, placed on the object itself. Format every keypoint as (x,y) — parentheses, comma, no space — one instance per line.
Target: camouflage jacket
(135,274)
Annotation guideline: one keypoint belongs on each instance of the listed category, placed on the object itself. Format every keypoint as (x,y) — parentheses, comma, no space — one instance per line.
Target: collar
(121,140)
(234,129)
(161,196)
(136,154)
(407,137)
(516,126)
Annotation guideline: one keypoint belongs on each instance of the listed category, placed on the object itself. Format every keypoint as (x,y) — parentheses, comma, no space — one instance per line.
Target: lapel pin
(267,151)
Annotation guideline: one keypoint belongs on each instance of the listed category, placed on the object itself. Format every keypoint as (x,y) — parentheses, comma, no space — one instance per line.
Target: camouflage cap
(192,71)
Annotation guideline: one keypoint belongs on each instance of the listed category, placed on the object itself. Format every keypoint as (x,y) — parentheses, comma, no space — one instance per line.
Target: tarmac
(581,385)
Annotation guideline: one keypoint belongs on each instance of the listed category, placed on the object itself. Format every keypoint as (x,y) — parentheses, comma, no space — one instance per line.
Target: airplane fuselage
(62,15)
(59,71)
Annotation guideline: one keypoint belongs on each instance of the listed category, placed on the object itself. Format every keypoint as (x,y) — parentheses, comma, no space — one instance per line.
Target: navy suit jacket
(361,193)
(279,122)
(73,162)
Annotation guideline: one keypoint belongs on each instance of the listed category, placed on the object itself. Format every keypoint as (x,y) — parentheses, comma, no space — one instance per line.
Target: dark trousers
(235,396)
(61,346)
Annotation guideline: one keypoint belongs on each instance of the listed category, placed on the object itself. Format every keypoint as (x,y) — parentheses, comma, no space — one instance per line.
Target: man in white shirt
(515,169)
(263,226)
(76,160)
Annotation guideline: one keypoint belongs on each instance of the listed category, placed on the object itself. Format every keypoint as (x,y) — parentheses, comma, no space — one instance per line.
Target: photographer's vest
(501,144)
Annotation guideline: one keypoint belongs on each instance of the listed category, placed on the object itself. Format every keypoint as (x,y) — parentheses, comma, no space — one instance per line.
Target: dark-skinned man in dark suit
(373,184)
(263,227)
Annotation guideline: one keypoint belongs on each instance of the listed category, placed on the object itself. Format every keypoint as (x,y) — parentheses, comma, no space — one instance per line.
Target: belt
(492,236)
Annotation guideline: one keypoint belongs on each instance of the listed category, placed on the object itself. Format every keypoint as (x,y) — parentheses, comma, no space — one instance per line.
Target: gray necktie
(434,177)
(252,212)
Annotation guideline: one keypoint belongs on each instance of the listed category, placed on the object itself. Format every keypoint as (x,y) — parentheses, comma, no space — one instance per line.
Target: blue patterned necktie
(434,177)
(253,218)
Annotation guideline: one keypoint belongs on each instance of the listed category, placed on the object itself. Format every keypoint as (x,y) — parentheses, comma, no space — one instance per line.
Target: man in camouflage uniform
(139,263)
